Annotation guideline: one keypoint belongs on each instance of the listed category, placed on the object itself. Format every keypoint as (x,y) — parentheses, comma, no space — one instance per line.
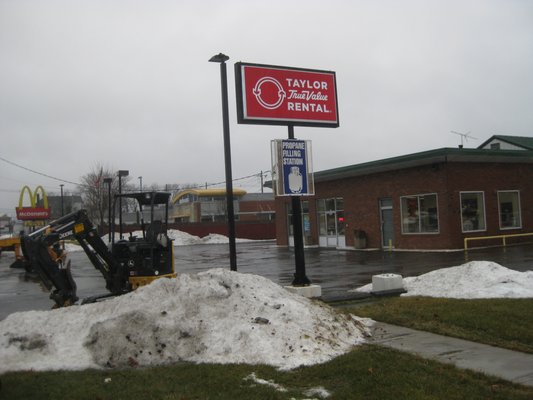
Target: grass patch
(506,323)
(368,372)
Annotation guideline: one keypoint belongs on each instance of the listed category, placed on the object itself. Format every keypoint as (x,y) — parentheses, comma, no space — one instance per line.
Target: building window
(509,209)
(306,222)
(473,211)
(331,216)
(420,214)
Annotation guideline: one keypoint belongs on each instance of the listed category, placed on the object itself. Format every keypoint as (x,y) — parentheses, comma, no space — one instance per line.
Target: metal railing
(502,237)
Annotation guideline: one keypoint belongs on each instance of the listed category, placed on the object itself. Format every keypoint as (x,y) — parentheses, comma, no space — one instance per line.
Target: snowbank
(216,316)
(473,280)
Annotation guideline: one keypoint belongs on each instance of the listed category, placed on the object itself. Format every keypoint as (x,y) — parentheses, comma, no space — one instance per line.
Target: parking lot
(337,271)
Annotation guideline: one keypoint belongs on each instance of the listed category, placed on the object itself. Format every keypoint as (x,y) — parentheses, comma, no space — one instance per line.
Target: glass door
(387,223)
(331,222)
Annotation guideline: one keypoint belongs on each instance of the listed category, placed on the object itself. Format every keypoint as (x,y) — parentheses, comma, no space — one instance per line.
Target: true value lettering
(299,90)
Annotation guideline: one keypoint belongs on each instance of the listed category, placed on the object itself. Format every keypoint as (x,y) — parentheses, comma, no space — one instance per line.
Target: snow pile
(216,316)
(473,280)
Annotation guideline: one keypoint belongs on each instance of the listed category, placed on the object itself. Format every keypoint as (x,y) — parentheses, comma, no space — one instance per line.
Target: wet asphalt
(337,271)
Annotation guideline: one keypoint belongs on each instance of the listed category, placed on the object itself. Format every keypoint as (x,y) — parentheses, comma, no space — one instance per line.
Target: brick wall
(361,201)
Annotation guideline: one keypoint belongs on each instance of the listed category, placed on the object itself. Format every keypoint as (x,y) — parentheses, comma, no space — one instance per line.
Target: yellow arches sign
(34,211)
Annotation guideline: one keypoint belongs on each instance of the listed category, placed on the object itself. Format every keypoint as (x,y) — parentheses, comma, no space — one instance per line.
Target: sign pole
(221,59)
(300,278)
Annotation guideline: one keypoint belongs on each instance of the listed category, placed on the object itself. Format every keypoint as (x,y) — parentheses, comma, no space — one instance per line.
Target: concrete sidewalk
(510,365)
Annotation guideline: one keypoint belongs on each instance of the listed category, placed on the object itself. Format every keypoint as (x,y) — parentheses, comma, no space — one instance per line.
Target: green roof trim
(521,141)
(429,157)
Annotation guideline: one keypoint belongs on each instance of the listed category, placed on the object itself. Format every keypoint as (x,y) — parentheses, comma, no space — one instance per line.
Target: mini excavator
(125,264)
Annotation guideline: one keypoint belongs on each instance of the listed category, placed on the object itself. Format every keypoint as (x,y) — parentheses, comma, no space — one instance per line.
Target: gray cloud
(127,83)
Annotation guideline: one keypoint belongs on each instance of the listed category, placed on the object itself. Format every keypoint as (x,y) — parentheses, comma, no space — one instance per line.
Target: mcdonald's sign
(33,212)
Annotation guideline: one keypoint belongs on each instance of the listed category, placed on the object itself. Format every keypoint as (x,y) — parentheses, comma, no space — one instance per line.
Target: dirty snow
(473,280)
(217,316)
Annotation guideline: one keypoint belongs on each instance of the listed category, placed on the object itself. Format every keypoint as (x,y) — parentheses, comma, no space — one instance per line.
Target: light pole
(62,204)
(221,59)
(140,183)
(108,182)
(121,173)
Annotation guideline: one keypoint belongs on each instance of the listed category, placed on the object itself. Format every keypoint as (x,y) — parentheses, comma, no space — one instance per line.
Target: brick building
(203,211)
(427,200)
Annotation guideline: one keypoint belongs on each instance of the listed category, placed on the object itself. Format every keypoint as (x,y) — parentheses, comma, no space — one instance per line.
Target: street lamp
(121,173)
(140,183)
(108,182)
(221,59)
(62,205)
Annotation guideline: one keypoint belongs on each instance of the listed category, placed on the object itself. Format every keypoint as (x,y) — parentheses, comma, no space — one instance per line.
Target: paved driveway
(337,271)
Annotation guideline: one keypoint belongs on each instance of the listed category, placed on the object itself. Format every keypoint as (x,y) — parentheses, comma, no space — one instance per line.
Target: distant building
(209,205)
(500,142)
(203,211)
(428,200)
(71,203)
(6,224)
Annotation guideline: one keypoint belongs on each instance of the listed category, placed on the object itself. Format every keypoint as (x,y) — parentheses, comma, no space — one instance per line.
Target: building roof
(520,141)
(436,156)
(206,193)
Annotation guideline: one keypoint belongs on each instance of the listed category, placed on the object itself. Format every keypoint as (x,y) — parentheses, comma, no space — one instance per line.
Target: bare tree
(95,191)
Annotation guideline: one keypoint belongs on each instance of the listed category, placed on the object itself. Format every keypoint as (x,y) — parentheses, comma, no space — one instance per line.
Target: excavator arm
(125,264)
(42,248)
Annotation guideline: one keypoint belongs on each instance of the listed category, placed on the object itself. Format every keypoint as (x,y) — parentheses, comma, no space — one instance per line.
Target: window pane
(420,214)
(472,212)
(340,204)
(410,214)
(429,221)
(509,204)
(330,204)
(322,226)
(340,223)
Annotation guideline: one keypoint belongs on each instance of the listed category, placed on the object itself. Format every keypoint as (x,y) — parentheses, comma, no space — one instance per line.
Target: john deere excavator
(125,264)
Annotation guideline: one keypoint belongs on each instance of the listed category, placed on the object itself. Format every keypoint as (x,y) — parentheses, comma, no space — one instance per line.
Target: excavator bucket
(49,263)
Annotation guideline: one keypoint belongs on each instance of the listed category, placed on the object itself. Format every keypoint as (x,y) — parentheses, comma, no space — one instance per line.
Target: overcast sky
(127,84)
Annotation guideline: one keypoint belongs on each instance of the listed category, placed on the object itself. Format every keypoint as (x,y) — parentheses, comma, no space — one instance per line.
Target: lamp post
(121,173)
(140,183)
(221,59)
(108,182)
(62,204)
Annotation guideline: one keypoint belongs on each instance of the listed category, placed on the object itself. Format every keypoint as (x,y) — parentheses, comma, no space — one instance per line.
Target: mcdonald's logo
(33,212)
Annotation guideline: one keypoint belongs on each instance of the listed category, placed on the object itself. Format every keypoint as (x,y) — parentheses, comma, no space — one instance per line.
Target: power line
(37,172)
(79,184)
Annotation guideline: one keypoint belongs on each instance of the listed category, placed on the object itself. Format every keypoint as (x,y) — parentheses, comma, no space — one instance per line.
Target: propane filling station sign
(274,95)
(292,166)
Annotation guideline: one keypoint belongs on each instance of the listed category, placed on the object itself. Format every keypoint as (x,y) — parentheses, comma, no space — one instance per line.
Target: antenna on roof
(464,136)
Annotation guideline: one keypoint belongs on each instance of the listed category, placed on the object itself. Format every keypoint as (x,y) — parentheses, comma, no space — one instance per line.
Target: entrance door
(387,223)
(331,222)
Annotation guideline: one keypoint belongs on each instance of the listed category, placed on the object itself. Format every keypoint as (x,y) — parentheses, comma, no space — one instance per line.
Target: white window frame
(519,226)
(484,210)
(418,196)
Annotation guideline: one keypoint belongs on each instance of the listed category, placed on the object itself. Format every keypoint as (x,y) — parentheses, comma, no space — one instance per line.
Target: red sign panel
(275,95)
(30,213)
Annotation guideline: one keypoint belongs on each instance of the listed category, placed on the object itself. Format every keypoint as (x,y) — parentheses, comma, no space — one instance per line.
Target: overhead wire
(80,184)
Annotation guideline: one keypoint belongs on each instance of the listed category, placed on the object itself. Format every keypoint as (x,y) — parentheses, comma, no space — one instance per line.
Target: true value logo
(33,212)
(302,95)
(283,95)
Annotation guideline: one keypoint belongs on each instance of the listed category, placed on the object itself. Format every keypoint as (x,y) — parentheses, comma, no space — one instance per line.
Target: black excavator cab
(125,264)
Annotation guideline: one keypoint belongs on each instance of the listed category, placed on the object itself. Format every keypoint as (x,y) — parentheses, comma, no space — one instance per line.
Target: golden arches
(33,196)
